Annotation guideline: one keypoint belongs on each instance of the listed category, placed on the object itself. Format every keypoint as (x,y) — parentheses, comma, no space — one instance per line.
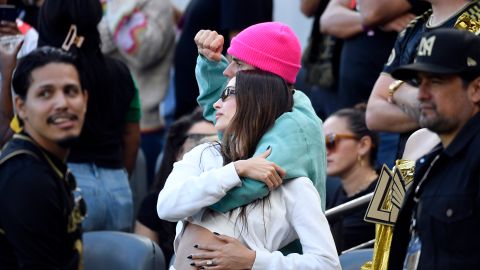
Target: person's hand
(8,59)
(259,168)
(399,23)
(231,254)
(210,44)
(8,28)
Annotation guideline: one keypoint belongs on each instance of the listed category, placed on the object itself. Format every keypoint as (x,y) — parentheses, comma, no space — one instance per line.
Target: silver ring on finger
(209,262)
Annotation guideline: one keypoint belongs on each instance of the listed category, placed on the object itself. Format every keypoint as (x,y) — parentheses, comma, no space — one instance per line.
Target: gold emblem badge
(468,23)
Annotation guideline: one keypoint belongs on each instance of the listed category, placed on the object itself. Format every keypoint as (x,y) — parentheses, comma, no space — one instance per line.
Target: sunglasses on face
(332,139)
(229,90)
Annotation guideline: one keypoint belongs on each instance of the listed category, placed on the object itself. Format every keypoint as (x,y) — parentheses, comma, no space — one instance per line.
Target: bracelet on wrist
(392,88)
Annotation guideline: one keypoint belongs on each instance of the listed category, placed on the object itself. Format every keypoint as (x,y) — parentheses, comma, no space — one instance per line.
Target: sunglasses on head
(79,211)
(229,90)
(332,139)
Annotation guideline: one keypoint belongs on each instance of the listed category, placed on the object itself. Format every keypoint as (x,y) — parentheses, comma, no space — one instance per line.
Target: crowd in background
(139,62)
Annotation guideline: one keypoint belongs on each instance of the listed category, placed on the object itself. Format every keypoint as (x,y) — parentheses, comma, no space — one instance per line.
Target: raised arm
(298,132)
(209,73)
(211,83)
(8,61)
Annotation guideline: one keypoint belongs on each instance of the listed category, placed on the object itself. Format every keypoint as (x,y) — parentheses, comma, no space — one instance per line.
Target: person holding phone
(11,25)
(12,31)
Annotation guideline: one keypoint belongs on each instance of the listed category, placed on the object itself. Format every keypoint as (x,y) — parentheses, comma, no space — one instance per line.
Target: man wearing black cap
(437,225)
(392,105)
(40,218)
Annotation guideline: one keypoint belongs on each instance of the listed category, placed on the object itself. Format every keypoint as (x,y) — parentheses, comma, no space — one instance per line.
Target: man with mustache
(392,106)
(40,217)
(437,225)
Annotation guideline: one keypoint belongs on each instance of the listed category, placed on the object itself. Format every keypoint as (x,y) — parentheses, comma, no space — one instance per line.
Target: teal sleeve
(293,247)
(297,140)
(211,83)
(298,144)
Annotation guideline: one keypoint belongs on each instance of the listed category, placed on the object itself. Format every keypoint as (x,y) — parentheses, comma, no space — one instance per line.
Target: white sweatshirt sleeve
(309,222)
(197,181)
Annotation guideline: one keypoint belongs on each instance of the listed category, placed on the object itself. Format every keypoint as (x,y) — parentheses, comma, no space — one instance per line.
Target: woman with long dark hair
(248,236)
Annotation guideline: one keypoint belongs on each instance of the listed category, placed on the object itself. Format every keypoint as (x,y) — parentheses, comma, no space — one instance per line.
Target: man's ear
(474,90)
(20,106)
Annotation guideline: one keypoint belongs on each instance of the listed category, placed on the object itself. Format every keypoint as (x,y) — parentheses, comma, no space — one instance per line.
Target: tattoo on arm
(411,109)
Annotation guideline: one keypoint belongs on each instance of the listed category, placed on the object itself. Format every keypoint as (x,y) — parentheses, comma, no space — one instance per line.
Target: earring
(15,124)
(360,160)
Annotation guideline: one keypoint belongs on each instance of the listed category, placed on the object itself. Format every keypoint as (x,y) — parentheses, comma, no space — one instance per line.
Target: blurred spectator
(28,10)
(227,17)
(186,133)
(318,77)
(8,59)
(141,33)
(351,155)
(20,27)
(12,35)
(107,148)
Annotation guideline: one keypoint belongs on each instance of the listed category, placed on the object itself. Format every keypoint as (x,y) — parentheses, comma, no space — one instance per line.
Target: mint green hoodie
(297,139)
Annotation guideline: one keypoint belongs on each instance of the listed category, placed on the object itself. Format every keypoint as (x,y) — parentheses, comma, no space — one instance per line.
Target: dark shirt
(101,141)
(448,215)
(351,230)
(362,59)
(407,42)
(35,207)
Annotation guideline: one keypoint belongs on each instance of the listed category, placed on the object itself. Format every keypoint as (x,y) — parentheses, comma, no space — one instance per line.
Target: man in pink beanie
(297,140)
(270,47)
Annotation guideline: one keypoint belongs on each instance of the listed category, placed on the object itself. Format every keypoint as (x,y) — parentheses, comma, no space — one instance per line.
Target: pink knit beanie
(270,46)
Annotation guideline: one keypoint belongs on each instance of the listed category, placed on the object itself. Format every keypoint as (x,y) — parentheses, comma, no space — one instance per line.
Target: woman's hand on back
(232,254)
(260,169)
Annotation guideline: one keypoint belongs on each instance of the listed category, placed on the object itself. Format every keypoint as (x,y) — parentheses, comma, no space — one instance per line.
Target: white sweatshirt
(292,211)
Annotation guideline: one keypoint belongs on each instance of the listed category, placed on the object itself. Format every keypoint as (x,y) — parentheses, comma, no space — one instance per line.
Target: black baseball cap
(446,51)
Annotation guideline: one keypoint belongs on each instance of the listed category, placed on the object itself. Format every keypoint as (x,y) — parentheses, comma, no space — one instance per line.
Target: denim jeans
(108,197)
